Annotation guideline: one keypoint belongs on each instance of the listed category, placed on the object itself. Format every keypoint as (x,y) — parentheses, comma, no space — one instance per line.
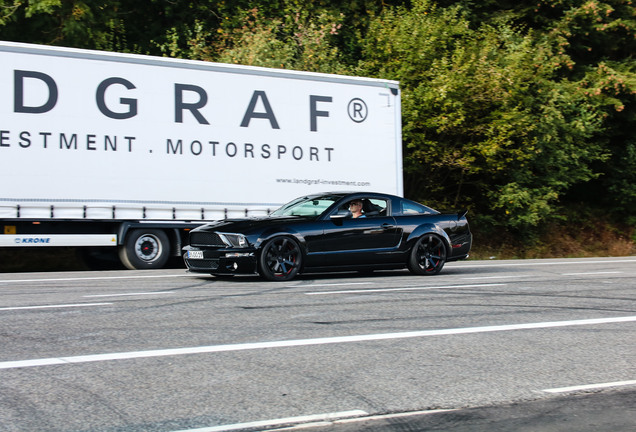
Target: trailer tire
(145,249)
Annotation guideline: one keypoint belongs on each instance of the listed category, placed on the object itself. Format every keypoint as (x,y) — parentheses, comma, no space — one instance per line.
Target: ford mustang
(337,231)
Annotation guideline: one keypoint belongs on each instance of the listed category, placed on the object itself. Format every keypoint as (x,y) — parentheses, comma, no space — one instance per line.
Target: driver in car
(355,207)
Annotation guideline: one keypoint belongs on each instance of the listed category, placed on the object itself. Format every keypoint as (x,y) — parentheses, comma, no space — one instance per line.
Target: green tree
(485,122)
(596,42)
(120,25)
(515,108)
(296,41)
(599,37)
(314,36)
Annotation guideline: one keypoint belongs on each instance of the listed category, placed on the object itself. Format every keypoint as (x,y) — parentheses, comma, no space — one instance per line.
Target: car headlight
(234,240)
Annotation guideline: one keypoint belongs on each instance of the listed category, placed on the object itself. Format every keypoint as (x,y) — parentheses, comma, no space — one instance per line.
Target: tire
(145,249)
(428,255)
(280,259)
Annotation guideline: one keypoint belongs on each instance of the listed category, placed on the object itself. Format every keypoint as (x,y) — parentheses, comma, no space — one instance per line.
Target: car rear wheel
(428,256)
(280,259)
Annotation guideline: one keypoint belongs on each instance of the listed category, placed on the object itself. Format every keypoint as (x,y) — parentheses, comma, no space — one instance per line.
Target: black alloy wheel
(428,256)
(280,259)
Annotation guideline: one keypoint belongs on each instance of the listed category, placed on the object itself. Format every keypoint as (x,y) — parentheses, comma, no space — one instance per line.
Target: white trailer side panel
(82,132)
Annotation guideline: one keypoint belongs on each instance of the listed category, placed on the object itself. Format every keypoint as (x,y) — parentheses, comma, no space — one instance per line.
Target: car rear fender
(426,229)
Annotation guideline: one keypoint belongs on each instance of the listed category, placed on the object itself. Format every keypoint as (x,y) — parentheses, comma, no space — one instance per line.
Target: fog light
(238,254)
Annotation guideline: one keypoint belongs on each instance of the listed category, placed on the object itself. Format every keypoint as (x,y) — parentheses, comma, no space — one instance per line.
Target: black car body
(318,233)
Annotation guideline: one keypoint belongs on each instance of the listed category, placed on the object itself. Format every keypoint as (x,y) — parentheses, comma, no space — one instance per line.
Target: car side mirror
(341,214)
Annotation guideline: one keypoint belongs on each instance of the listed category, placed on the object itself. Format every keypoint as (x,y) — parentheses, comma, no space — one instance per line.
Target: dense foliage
(517,109)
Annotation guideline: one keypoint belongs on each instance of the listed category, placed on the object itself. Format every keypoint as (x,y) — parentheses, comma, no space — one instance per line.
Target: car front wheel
(280,259)
(428,256)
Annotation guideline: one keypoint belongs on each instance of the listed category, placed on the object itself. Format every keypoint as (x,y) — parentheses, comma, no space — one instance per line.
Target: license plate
(195,254)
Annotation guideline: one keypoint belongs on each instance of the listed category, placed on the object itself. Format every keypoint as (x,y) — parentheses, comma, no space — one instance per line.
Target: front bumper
(223,261)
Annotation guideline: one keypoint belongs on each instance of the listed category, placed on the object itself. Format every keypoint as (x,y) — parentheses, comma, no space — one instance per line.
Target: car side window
(311,208)
(374,207)
(371,207)
(413,208)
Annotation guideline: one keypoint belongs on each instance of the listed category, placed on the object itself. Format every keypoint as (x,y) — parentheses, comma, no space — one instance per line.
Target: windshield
(307,206)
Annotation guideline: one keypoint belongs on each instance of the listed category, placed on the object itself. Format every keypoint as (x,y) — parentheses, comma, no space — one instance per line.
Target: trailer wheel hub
(147,247)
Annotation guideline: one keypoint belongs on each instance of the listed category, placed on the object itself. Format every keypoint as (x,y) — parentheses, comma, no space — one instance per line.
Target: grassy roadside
(592,239)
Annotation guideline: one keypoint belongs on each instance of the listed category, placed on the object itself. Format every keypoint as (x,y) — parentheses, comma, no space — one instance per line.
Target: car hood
(249,225)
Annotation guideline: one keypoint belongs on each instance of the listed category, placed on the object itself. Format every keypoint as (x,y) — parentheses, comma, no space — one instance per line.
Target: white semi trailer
(129,152)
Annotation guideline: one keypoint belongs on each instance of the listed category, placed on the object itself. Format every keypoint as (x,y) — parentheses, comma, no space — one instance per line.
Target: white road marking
(395,415)
(129,294)
(360,419)
(590,386)
(591,273)
(415,288)
(280,422)
(497,277)
(330,285)
(304,342)
(54,306)
(90,278)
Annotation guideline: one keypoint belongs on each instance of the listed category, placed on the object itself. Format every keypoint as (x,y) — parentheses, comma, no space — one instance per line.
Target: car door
(364,240)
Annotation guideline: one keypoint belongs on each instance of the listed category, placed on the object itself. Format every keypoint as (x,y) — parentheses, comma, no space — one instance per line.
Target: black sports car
(320,233)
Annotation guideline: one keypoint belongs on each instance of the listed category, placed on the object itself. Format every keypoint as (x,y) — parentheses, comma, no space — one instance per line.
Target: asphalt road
(532,345)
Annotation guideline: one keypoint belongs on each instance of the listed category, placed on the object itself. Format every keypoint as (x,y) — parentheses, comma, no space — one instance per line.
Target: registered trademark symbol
(357,110)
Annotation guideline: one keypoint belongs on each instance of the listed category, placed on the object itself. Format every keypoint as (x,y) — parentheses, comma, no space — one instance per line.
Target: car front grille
(203,264)
(207,239)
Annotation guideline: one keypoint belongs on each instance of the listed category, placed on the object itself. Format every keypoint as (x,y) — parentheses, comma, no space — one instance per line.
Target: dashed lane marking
(304,342)
(327,417)
(129,294)
(54,306)
(414,288)
(590,387)
(96,278)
